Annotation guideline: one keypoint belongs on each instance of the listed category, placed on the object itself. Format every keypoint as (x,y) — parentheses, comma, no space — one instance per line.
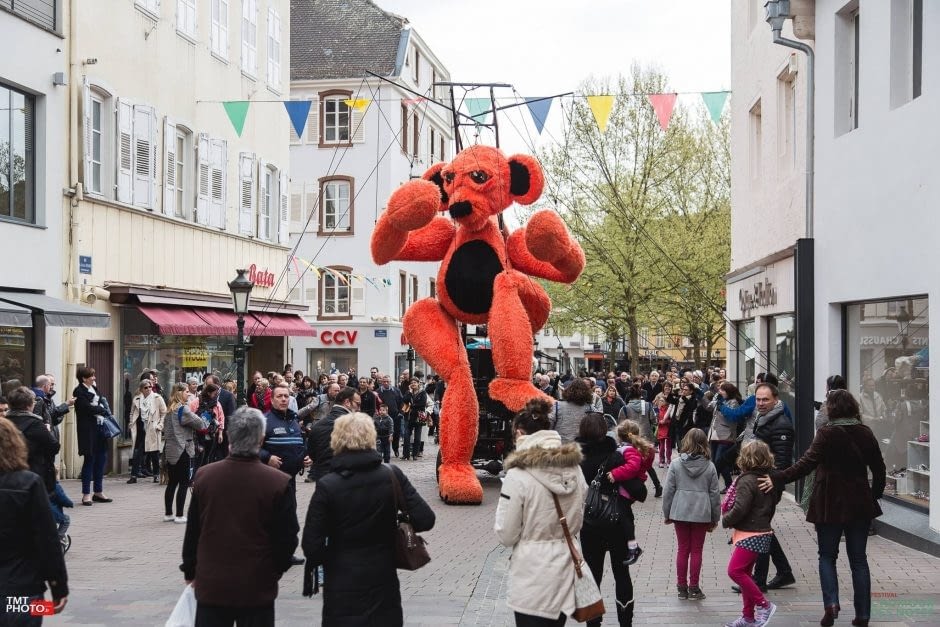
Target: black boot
(625,614)
(133,479)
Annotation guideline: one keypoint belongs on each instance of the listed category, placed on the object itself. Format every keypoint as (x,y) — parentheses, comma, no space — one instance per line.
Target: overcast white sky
(546,47)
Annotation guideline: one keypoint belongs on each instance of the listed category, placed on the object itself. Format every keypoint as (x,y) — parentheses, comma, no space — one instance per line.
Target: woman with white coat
(541,572)
(146,425)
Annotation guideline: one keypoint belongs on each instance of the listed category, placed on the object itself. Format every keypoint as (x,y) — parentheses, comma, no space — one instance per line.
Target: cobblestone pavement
(123,568)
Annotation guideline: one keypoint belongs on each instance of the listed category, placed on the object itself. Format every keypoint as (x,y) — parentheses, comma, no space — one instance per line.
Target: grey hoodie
(690,493)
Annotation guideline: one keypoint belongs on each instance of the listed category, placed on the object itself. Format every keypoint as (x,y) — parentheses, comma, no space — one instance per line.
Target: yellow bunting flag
(358,103)
(600,107)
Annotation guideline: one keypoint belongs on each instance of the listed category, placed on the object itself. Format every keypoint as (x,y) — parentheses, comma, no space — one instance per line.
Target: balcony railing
(43,13)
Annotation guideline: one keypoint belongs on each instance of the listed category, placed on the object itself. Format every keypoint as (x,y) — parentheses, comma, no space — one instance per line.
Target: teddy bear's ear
(526,179)
(433,174)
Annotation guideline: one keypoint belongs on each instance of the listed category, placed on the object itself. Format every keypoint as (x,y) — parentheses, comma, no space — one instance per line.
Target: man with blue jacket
(283,447)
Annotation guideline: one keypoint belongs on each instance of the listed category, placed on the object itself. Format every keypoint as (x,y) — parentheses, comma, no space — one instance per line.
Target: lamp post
(411,357)
(241,290)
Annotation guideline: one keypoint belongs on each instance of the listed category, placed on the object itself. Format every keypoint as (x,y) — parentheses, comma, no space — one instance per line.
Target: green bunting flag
(715,103)
(237,111)
(479,108)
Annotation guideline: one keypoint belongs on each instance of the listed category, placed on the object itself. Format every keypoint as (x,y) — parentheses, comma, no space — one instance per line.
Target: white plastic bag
(184,614)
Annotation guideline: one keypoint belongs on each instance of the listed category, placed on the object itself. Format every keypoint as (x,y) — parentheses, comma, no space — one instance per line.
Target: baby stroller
(57,501)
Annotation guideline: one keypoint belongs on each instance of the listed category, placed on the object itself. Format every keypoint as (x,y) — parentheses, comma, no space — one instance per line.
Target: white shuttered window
(274,48)
(250,37)
(125,150)
(218,34)
(203,175)
(186,17)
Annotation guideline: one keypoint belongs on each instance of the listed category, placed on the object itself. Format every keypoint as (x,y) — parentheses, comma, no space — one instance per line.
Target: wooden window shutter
(246,193)
(169,168)
(203,176)
(125,150)
(283,223)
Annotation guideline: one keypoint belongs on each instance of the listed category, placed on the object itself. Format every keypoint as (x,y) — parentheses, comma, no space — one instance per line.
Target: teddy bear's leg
(435,336)
(511,336)
(536,302)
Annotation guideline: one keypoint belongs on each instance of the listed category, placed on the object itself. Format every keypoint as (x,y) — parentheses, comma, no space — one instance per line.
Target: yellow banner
(600,107)
(357,103)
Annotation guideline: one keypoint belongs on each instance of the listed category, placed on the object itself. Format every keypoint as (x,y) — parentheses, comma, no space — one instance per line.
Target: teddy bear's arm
(411,208)
(429,243)
(544,249)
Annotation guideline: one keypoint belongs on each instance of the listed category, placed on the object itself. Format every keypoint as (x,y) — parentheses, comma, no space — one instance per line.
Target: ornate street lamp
(241,290)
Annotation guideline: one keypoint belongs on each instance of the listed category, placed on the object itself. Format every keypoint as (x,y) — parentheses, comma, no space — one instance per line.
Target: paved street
(123,568)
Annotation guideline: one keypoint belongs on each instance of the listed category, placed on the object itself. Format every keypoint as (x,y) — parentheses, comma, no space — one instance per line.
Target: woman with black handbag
(601,534)
(351,529)
(90,411)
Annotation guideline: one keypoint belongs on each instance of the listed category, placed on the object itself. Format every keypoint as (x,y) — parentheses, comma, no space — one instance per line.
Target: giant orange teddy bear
(483,279)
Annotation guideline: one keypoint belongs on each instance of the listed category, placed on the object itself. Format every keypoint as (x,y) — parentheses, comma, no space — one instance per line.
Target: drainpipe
(778,11)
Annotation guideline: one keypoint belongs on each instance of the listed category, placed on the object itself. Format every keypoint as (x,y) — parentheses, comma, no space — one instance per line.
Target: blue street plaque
(84,264)
(381,332)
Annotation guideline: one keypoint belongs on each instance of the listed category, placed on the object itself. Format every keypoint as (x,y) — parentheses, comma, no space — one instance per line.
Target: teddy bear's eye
(479,177)
(449,177)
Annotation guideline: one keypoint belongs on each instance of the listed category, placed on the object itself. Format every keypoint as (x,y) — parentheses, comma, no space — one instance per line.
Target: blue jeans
(93,466)
(412,432)
(856,540)
(384,447)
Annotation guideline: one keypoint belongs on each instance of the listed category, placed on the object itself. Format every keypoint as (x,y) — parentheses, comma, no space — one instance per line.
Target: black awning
(57,312)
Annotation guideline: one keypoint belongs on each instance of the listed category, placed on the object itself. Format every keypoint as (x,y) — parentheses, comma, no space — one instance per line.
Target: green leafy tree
(649,208)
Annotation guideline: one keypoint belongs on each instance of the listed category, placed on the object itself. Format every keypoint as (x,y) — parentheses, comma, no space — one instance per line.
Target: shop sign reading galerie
(763,294)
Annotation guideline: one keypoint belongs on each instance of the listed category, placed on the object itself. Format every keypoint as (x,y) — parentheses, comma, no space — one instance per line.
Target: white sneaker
(763,614)
(168,518)
(180,519)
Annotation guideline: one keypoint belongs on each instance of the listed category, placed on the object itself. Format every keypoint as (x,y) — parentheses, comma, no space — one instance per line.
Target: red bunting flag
(663,105)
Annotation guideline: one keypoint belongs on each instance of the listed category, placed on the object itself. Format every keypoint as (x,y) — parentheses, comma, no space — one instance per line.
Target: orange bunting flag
(663,105)
(600,107)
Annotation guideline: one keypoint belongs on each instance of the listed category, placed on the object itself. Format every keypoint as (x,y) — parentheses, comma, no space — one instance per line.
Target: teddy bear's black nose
(460,209)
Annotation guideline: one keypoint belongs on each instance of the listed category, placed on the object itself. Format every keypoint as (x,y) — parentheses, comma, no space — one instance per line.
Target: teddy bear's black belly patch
(470,275)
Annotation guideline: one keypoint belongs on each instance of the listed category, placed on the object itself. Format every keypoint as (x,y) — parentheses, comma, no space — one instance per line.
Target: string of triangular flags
(297,111)
(601,106)
(342,277)
(480,108)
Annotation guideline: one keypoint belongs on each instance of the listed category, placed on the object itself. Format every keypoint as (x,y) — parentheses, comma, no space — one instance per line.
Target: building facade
(876,193)
(363,138)
(768,147)
(169,198)
(33,130)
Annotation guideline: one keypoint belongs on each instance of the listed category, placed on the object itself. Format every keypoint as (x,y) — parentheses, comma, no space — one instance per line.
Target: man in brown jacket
(241,531)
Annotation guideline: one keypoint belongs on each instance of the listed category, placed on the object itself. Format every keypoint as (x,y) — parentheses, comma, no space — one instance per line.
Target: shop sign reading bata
(261,278)
(763,294)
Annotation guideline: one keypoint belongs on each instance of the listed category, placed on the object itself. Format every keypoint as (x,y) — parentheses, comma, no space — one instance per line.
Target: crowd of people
(746,442)
(602,436)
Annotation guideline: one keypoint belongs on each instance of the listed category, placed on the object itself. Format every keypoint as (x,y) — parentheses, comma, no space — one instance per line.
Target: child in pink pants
(748,511)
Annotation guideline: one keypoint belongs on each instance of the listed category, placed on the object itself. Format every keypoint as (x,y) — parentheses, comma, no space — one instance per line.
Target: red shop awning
(207,321)
(279,325)
(176,320)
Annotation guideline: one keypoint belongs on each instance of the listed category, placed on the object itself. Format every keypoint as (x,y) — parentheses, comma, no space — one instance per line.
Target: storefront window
(746,349)
(781,334)
(16,350)
(887,354)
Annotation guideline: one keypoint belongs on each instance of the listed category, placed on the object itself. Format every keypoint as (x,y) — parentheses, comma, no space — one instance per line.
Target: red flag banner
(663,105)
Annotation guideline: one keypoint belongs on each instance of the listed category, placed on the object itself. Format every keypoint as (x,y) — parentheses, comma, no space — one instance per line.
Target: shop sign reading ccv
(763,294)
(339,337)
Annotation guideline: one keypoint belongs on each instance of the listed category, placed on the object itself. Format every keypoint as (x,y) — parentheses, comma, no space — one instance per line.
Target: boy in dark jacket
(383,432)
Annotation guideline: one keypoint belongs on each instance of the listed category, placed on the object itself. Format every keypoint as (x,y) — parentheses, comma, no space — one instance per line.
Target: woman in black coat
(90,410)
(599,449)
(30,553)
(351,526)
